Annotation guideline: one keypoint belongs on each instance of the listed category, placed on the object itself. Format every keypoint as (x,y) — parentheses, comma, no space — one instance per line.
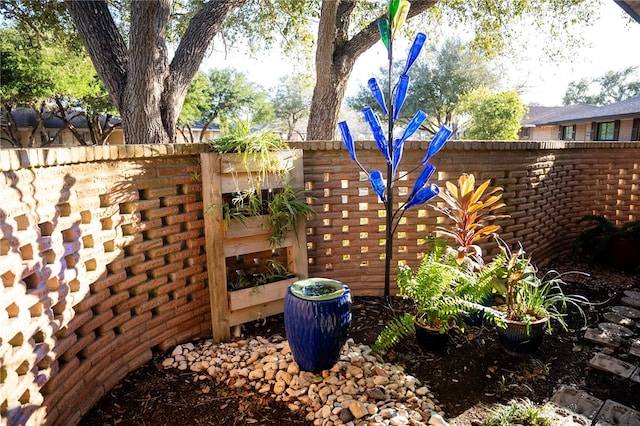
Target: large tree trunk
(336,55)
(147,91)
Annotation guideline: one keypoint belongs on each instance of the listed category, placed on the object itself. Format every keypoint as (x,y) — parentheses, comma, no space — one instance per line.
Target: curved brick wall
(102,248)
(548,187)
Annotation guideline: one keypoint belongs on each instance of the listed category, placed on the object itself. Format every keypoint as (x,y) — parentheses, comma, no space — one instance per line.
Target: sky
(610,44)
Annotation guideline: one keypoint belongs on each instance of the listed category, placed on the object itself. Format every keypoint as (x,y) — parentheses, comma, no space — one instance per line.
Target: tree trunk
(335,58)
(147,91)
(10,128)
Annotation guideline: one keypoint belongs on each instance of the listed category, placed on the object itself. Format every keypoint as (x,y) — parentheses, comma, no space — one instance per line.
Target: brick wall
(548,187)
(102,248)
(101,258)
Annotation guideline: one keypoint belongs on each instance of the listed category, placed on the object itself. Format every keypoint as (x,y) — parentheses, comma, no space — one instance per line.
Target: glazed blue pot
(317,316)
(518,340)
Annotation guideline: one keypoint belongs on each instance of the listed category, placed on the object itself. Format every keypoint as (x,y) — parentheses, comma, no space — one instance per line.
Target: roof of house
(540,116)
(631,7)
(26,118)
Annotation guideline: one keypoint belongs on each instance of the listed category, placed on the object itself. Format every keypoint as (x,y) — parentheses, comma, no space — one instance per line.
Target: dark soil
(472,374)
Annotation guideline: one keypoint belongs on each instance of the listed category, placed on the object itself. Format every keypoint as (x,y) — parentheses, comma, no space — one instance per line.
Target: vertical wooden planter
(227,173)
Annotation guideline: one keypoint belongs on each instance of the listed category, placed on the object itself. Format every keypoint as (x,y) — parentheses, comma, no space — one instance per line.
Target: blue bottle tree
(389,143)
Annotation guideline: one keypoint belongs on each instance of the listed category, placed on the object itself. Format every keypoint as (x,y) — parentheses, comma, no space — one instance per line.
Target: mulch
(468,377)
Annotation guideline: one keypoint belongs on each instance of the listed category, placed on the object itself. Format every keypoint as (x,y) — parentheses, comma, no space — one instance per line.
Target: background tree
(613,86)
(345,32)
(221,95)
(37,77)
(291,100)
(438,82)
(25,81)
(493,116)
(147,90)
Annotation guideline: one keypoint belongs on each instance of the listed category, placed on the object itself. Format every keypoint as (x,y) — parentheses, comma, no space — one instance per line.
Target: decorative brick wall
(101,258)
(548,187)
(102,248)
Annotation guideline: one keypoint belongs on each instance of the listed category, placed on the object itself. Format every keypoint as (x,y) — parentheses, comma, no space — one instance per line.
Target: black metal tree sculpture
(390,147)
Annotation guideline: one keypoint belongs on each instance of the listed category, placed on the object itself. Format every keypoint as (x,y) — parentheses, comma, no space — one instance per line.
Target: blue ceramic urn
(317,316)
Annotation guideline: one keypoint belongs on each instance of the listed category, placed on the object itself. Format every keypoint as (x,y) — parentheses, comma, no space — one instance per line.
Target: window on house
(568,133)
(525,132)
(607,131)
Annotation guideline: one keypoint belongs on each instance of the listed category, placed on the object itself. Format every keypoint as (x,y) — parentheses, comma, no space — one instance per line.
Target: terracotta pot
(317,322)
(517,340)
(430,339)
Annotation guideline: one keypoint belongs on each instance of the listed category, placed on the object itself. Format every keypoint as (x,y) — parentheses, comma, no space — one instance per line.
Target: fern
(394,332)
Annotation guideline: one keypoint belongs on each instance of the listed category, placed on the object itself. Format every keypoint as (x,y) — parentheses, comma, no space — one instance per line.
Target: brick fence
(102,248)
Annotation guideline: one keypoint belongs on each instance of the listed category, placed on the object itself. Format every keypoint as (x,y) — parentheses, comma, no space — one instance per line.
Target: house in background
(619,121)
(59,135)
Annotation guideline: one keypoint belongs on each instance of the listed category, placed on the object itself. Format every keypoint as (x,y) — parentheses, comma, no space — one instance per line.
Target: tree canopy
(36,77)
(147,52)
(613,86)
(222,95)
(291,100)
(493,116)
(438,81)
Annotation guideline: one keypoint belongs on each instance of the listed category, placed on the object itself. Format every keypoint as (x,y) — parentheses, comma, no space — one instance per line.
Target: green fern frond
(395,331)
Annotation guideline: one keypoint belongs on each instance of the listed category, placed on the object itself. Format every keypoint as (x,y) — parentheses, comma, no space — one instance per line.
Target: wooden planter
(224,174)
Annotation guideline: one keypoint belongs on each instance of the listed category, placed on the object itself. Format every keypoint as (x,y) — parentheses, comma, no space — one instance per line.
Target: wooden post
(214,232)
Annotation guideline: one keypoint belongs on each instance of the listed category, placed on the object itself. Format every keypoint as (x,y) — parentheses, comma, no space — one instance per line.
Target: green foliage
(25,76)
(613,86)
(593,243)
(471,211)
(527,296)
(438,83)
(518,412)
(494,116)
(284,207)
(495,24)
(291,100)
(261,24)
(223,95)
(442,290)
(398,329)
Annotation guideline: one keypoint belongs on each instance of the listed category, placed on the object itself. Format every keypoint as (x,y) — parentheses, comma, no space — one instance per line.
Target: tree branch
(103,43)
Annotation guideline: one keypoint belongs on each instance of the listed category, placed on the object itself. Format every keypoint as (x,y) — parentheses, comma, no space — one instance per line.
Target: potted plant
(530,302)
(605,242)
(471,212)
(442,290)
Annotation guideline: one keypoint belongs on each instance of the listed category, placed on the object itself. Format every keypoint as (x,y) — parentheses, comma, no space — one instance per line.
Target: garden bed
(471,375)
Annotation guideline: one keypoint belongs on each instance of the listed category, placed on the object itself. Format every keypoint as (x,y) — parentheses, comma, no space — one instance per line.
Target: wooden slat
(259,295)
(214,230)
(255,313)
(235,163)
(252,226)
(297,258)
(237,182)
(245,245)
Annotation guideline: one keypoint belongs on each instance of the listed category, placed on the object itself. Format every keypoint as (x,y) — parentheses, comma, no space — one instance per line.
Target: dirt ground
(473,373)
